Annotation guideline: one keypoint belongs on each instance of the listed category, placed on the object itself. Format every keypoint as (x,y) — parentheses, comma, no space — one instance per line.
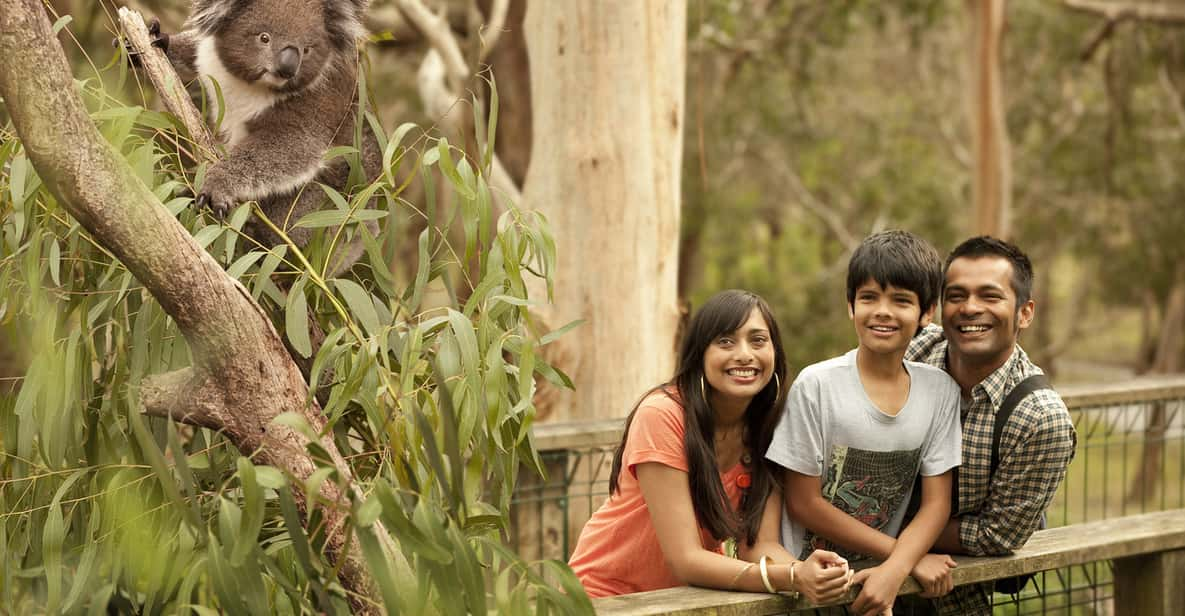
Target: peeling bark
(608,95)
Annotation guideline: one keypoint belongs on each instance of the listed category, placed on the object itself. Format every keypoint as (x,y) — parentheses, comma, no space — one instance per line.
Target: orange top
(618,551)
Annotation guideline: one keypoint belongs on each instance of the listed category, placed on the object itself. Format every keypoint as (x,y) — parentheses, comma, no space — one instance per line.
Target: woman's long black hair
(722,314)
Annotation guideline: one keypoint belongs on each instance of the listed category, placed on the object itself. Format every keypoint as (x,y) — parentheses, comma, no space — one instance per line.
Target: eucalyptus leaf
(296,319)
(361,305)
(336,218)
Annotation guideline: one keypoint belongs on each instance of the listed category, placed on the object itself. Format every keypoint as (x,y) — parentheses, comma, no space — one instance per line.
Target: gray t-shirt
(867,459)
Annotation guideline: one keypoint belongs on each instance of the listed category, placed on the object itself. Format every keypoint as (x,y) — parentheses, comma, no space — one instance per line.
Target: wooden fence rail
(1148,551)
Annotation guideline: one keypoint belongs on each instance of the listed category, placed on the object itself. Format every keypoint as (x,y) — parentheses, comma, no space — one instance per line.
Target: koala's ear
(210,16)
(343,20)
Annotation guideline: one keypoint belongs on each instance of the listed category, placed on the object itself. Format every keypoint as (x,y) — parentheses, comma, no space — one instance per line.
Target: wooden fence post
(1150,584)
(539,512)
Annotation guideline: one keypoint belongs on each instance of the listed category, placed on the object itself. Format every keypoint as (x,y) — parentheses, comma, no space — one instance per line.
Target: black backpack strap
(1018,393)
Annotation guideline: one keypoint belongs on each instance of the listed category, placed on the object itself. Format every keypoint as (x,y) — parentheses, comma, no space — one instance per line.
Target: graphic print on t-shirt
(867,485)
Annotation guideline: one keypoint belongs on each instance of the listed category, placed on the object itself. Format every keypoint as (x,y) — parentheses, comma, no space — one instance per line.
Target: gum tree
(238,491)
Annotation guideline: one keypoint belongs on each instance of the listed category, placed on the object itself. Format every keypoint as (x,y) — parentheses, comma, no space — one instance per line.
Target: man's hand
(880,586)
(933,573)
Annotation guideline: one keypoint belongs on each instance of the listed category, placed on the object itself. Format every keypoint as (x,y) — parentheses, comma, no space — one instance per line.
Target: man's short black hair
(897,258)
(988,246)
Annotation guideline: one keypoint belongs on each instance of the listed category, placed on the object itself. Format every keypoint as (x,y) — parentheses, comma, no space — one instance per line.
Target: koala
(287,70)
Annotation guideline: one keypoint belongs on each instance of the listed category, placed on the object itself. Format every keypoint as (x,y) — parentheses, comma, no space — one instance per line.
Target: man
(986,302)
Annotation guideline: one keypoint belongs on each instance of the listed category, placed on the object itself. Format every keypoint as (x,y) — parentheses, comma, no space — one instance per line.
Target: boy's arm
(882,582)
(805,504)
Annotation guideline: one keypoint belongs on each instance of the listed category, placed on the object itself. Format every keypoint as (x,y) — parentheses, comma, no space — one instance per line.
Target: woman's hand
(824,576)
(933,573)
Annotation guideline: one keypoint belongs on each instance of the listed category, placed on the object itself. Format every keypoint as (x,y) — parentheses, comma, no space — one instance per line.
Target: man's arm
(1032,466)
(948,540)
(923,346)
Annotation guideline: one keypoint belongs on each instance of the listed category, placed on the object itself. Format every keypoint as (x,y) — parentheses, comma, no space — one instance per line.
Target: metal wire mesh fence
(1130,459)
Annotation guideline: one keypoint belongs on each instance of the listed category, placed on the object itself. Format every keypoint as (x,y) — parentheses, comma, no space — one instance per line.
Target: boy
(857,430)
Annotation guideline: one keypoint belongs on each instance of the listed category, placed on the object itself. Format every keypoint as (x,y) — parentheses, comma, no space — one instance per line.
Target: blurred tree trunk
(992,170)
(607,89)
(1167,361)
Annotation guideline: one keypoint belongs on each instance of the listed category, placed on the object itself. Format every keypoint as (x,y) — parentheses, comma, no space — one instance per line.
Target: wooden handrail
(1124,540)
(607,432)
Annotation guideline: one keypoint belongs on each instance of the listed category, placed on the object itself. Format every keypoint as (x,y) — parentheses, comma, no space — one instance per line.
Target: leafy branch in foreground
(411,461)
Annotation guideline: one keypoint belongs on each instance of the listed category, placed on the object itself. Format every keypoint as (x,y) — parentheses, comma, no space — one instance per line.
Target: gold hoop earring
(702,389)
(778,385)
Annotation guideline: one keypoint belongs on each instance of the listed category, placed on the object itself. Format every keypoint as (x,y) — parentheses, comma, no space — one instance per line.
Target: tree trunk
(992,171)
(607,90)
(1167,361)
(242,377)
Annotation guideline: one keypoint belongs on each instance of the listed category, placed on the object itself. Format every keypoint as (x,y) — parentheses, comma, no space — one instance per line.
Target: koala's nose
(288,62)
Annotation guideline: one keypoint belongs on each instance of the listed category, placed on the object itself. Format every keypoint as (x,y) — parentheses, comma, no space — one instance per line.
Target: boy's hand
(933,573)
(881,584)
(822,577)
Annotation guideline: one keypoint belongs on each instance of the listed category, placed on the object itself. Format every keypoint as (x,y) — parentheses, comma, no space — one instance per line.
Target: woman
(689,473)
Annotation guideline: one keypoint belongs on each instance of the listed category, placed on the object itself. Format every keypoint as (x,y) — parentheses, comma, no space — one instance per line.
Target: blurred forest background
(809,125)
(818,123)
(812,124)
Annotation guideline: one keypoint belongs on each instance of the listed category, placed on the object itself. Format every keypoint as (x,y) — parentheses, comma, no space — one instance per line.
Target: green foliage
(833,144)
(102,508)
(813,124)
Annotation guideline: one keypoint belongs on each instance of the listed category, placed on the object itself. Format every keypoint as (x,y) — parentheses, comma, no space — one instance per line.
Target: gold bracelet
(793,591)
(737,577)
(765,575)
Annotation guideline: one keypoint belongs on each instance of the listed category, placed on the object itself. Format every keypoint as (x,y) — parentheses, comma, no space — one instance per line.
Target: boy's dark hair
(988,246)
(897,258)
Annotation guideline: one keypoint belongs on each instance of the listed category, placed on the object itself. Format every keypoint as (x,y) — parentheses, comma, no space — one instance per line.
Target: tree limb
(1140,11)
(170,89)
(1176,101)
(1097,39)
(824,212)
(494,27)
(444,72)
(435,29)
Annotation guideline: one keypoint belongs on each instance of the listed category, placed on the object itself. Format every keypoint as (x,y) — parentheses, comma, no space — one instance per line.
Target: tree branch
(170,89)
(443,73)
(494,26)
(1176,101)
(1097,39)
(1140,11)
(435,29)
(172,396)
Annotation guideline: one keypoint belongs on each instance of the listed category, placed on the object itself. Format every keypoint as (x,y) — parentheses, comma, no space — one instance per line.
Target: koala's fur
(287,70)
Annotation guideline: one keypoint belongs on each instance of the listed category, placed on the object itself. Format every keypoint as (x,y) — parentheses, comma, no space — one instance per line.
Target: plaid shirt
(1035,448)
